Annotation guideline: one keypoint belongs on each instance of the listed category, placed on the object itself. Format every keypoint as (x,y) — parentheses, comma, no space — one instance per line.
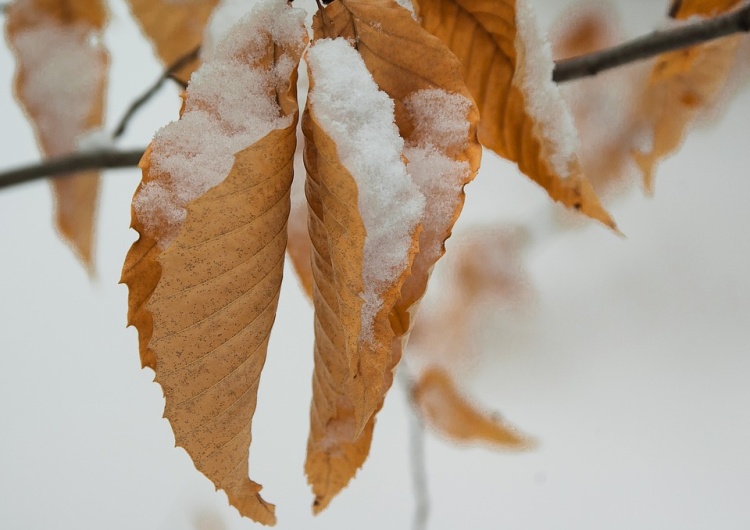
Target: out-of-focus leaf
(601,105)
(684,9)
(174,27)
(60,83)
(681,84)
(448,412)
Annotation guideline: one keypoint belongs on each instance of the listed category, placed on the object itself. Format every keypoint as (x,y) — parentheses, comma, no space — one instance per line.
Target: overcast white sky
(632,367)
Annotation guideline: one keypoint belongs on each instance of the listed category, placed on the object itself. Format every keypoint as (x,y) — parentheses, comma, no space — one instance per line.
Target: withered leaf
(681,84)
(339,438)
(494,52)
(423,75)
(204,302)
(174,28)
(448,412)
(684,9)
(601,105)
(60,83)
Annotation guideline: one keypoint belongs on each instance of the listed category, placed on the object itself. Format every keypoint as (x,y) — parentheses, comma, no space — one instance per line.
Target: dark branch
(566,70)
(153,89)
(58,167)
(651,45)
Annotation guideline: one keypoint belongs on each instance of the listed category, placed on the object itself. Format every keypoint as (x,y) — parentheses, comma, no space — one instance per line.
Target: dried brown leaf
(55,40)
(446,410)
(376,28)
(213,309)
(174,28)
(601,105)
(339,436)
(484,36)
(681,84)
(684,9)
(205,303)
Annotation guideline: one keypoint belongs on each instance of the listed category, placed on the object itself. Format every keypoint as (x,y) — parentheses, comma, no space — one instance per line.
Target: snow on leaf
(437,119)
(508,68)
(681,84)
(174,28)
(448,412)
(365,215)
(60,83)
(205,274)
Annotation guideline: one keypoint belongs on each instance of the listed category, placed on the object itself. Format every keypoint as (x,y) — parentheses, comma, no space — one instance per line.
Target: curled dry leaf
(60,83)
(358,267)
(175,28)
(508,70)
(681,84)
(447,411)
(424,82)
(204,277)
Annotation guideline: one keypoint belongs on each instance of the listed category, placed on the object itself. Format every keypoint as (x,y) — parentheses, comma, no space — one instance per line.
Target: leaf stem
(653,44)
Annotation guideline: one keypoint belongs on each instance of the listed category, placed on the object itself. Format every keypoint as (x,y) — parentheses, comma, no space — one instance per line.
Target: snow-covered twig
(57,167)
(653,44)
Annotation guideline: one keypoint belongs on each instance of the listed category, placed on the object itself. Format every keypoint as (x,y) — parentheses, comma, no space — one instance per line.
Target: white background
(632,367)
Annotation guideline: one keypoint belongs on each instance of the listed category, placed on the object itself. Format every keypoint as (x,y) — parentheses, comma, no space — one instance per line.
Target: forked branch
(566,70)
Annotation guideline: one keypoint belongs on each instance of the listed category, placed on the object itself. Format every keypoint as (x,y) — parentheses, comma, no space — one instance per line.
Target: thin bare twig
(57,167)
(653,44)
(153,89)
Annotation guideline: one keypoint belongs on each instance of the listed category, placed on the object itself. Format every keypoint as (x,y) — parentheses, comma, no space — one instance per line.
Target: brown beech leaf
(681,84)
(497,58)
(684,9)
(174,28)
(424,81)
(448,412)
(340,435)
(55,41)
(422,67)
(483,273)
(601,105)
(204,285)
(335,448)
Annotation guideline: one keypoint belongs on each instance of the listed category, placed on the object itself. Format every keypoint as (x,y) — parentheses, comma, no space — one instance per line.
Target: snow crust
(360,119)
(544,102)
(230,104)
(63,71)
(223,17)
(441,130)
